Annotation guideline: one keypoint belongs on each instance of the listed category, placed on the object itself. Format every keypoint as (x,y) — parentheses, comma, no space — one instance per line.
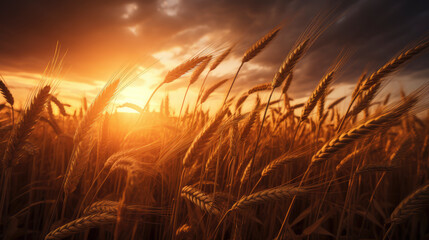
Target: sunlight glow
(130,9)
(169,7)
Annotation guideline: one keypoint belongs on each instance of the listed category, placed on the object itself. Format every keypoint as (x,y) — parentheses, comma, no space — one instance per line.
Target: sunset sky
(101,37)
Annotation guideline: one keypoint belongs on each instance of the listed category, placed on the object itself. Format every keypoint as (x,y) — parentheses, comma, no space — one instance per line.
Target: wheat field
(256,167)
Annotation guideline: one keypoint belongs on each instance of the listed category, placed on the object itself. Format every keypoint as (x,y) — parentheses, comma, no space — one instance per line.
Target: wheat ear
(200,199)
(289,63)
(265,196)
(411,205)
(210,90)
(257,47)
(254,50)
(81,225)
(203,139)
(24,127)
(79,155)
(175,73)
(220,59)
(368,128)
(6,92)
(392,66)
(316,95)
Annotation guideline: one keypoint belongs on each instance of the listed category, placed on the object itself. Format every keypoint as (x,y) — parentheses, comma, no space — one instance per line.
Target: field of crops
(256,167)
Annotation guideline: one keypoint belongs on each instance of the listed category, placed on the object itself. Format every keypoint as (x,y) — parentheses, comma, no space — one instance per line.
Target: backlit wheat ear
(288,81)
(400,153)
(347,159)
(255,89)
(289,63)
(96,108)
(197,72)
(267,196)
(254,50)
(241,100)
(210,90)
(280,161)
(175,73)
(280,76)
(392,66)
(183,231)
(368,128)
(133,106)
(112,207)
(81,225)
(6,93)
(321,106)
(200,199)
(336,102)
(375,168)
(414,204)
(79,155)
(259,88)
(99,205)
(359,85)
(250,121)
(201,142)
(364,100)
(257,47)
(316,95)
(220,59)
(183,68)
(59,105)
(24,127)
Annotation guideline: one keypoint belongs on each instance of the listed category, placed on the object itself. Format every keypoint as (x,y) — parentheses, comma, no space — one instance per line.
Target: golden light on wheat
(209,163)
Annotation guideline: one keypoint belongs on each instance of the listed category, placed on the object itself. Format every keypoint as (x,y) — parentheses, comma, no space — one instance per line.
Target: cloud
(102,36)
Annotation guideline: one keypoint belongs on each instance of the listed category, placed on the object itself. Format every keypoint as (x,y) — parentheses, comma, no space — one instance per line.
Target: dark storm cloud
(93,31)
